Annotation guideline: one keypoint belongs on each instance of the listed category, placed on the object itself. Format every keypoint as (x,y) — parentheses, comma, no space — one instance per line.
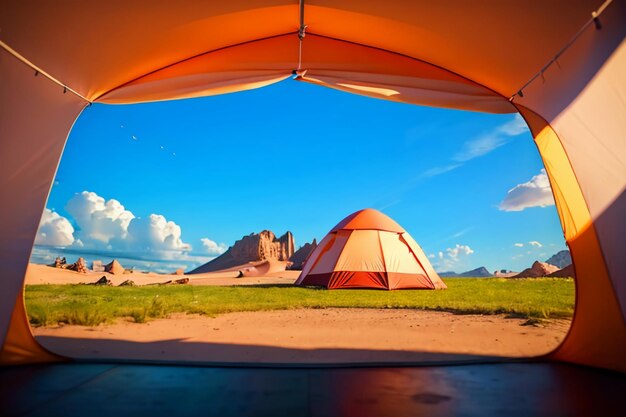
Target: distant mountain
(560,259)
(478,272)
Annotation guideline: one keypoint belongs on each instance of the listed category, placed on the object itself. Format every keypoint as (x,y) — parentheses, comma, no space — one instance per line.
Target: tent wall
(577,113)
(35,118)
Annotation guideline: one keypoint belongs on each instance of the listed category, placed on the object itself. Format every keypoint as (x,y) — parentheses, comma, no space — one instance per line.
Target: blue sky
(298,157)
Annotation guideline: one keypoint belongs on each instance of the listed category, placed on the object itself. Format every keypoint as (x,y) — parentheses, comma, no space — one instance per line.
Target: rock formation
(254,247)
(97,266)
(103,281)
(504,273)
(79,266)
(539,269)
(567,272)
(560,259)
(114,267)
(301,255)
(59,262)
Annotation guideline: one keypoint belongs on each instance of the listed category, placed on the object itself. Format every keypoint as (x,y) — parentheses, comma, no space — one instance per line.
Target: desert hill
(567,272)
(538,269)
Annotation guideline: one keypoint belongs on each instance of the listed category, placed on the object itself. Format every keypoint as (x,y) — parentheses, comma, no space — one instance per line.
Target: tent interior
(559,64)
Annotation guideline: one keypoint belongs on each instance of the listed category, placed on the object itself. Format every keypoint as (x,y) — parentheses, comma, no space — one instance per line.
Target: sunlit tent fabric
(559,63)
(367,249)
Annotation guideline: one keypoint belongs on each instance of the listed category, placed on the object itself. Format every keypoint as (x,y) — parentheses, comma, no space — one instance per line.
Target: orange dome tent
(559,63)
(369,250)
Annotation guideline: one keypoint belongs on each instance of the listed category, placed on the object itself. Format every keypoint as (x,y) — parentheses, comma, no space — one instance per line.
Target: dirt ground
(309,336)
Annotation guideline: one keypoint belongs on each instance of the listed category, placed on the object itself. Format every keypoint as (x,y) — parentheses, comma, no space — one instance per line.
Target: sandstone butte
(252,248)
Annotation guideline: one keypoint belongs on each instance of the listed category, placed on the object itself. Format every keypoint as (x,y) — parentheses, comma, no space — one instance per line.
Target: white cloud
(462,232)
(519,245)
(54,230)
(452,257)
(100,222)
(431,255)
(534,193)
(459,250)
(481,145)
(535,243)
(155,234)
(433,172)
(515,127)
(108,225)
(491,140)
(213,248)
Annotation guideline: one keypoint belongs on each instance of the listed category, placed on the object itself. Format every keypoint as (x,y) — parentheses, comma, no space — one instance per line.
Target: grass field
(542,298)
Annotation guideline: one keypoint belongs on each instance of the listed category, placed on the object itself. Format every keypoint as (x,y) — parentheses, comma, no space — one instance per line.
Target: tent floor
(115,390)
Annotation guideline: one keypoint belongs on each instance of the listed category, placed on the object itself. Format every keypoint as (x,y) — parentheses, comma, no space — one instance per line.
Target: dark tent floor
(115,390)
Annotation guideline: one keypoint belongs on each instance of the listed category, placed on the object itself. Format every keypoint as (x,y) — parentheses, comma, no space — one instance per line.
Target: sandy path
(308,336)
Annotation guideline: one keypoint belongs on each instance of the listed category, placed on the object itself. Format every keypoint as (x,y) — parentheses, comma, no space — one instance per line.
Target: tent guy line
(595,19)
(38,71)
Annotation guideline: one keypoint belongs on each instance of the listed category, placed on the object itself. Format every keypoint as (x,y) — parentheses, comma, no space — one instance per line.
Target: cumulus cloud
(449,259)
(100,222)
(155,234)
(534,193)
(54,230)
(459,250)
(535,243)
(519,245)
(108,227)
(213,248)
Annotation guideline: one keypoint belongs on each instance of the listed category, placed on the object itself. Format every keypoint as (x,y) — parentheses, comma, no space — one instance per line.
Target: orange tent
(369,250)
(559,63)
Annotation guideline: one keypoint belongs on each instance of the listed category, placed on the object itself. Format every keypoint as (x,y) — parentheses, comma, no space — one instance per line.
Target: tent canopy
(561,64)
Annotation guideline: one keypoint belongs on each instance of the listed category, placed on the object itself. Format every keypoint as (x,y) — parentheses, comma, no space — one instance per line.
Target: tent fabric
(381,74)
(451,53)
(35,119)
(368,249)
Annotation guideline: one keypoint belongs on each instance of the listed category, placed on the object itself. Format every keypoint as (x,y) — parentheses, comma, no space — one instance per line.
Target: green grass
(541,298)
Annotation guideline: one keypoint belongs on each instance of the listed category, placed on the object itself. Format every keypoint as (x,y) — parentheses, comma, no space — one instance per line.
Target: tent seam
(382,252)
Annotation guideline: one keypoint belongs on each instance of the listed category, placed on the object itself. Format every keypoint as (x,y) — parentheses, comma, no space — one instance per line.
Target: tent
(559,63)
(367,249)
